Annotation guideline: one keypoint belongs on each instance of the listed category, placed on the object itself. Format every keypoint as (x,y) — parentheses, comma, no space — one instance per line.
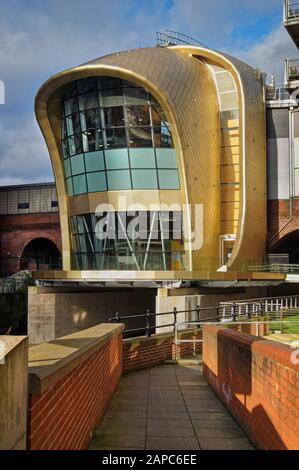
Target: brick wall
(255,328)
(65,415)
(16,231)
(282,220)
(140,353)
(257,382)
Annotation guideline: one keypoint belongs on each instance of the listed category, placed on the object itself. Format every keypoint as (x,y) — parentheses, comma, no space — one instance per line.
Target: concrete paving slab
(120,441)
(167,407)
(172,443)
(159,431)
(170,423)
(225,444)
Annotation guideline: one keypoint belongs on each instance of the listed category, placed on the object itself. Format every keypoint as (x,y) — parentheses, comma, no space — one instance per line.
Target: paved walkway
(168,407)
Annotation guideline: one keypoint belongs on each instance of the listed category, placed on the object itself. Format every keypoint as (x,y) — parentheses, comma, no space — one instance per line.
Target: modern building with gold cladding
(167,143)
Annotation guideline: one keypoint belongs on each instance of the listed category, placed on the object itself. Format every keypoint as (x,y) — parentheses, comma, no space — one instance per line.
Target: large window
(115,136)
(126,241)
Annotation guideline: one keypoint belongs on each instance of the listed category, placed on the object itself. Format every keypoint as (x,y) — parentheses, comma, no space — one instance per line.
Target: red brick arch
(49,237)
(18,230)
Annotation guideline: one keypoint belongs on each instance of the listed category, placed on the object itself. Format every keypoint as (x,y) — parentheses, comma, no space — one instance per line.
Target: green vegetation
(289,328)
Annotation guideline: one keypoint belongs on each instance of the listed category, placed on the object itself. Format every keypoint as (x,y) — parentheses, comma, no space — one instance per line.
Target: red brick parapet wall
(68,396)
(143,352)
(258,382)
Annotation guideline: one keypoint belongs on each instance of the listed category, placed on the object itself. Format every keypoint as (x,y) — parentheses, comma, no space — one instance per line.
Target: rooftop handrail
(169,37)
(277,93)
(291,9)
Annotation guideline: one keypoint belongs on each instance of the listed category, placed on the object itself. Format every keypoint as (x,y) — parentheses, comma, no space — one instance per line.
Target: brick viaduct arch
(18,231)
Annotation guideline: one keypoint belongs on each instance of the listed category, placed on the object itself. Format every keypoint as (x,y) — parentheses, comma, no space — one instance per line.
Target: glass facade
(123,241)
(115,136)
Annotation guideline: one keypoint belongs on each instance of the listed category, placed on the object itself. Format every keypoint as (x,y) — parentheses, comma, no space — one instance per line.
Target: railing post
(218,313)
(148,326)
(234,311)
(256,328)
(117,317)
(198,314)
(248,311)
(175,313)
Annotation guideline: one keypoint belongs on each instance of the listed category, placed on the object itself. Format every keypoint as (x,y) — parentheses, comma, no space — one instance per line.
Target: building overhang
(156,279)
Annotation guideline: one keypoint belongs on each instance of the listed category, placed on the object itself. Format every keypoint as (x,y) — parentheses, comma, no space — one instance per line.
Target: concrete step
(194,360)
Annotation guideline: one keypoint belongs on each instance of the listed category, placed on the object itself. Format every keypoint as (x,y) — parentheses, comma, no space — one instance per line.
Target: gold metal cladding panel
(186,91)
(252,227)
(230,155)
(255,222)
(230,174)
(88,203)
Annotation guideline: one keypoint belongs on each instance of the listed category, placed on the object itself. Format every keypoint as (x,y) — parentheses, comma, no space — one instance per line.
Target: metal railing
(257,330)
(13,286)
(291,9)
(278,93)
(172,38)
(276,267)
(10,264)
(291,72)
(222,312)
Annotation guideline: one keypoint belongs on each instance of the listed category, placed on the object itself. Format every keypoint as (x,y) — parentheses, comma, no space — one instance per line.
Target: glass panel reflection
(168,179)
(105,114)
(114,116)
(138,115)
(146,241)
(116,137)
(140,137)
(142,158)
(94,161)
(79,184)
(144,179)
(88,101)
(118,180)
(116,159)
(96,182)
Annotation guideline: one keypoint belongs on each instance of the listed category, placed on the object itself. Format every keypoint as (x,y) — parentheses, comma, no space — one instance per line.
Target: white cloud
(40,38)
(213,21)
(270,52)
(24,157)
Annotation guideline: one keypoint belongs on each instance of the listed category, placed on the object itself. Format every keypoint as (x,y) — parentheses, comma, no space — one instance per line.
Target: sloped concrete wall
(13,392)
(55,312)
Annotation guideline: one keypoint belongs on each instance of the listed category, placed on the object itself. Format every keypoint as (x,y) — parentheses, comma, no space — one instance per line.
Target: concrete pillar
(13,392)
(54,312)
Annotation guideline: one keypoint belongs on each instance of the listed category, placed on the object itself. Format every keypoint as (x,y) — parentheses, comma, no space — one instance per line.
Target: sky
(40,38)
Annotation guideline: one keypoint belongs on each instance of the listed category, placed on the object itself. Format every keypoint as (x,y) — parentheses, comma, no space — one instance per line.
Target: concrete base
(55,312)
(13,392)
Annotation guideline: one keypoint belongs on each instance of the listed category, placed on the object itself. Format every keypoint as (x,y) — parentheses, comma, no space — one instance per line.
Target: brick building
(29,228)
